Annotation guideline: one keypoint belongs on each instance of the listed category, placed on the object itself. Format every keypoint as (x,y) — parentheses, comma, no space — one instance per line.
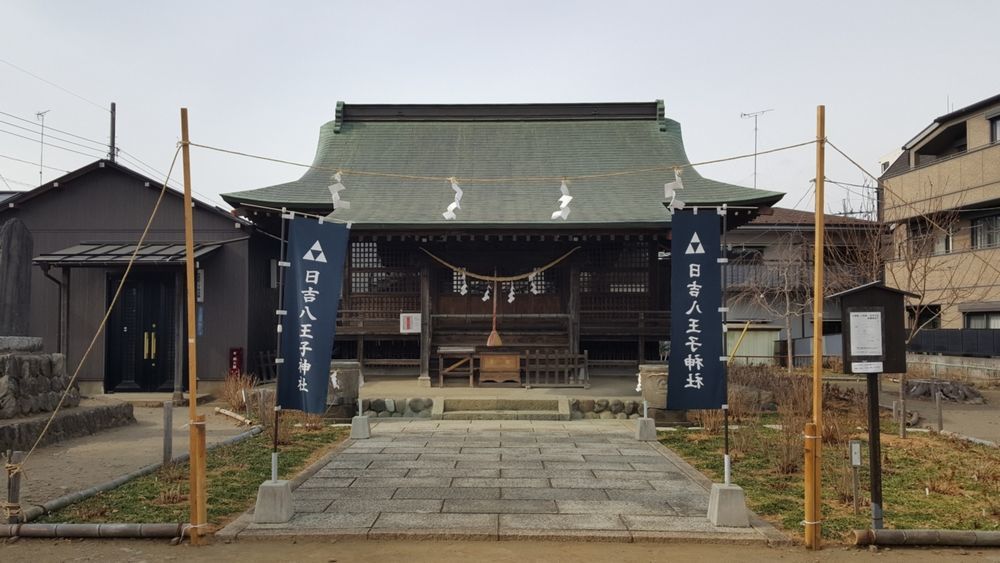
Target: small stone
(384,414)
(370,413)
(631,407)
(587,405)
(634,416)
(397,415)
(590,415)
(390,405)
(600,405)
(416,405)
(365,404)
(621,416)
(575,415)
(378,405)
(606,415)
(574,405)
(616,406)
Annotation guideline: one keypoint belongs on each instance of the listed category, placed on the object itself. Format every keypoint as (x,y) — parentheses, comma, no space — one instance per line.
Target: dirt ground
(468,551)
(73,465)
(978,421)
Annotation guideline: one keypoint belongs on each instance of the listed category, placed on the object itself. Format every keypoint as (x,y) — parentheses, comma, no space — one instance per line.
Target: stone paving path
(504,480)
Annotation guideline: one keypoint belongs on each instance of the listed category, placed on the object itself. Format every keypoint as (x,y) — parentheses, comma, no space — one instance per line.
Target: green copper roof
(484,142)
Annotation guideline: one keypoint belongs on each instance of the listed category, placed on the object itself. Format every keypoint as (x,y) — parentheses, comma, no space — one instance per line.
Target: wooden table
(460,363)
(500,367)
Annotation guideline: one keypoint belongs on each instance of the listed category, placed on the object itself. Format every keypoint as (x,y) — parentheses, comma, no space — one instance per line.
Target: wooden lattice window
(381,269)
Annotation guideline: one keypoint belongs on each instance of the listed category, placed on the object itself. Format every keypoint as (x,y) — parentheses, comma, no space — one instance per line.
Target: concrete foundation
(645,430)
(360,428)
(727,506)
(274,503)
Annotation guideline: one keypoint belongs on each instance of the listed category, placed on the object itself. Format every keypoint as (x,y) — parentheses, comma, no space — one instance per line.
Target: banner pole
(278,351)
(723,272)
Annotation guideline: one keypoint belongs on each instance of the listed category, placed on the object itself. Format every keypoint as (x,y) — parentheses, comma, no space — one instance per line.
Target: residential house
(942,196)
(770,280)
(85,226)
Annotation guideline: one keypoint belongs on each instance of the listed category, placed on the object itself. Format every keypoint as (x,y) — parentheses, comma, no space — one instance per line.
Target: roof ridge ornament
(338,117)
(335,190)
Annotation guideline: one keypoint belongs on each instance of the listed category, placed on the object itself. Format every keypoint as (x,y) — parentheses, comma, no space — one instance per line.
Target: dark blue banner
(697,375)
(316,252)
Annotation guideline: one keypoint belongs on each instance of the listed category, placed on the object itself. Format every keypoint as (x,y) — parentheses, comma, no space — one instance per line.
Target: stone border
(75,422)
(765,532)
(773,535)
(234,528)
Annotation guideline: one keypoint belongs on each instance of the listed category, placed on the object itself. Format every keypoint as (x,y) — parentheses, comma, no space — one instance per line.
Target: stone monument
(31,381)
(15,278)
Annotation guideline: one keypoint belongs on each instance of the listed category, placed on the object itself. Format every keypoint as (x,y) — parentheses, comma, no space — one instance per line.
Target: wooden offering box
(499,367)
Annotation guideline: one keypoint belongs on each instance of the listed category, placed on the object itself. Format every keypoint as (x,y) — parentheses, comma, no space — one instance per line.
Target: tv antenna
(755,115)
(40,116)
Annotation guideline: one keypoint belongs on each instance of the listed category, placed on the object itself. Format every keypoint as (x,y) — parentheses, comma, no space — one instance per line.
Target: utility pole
(41,149)
(112,149)
(754,115)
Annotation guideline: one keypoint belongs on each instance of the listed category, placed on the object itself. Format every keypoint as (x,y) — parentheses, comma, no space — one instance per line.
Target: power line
(53,84)
(50,128)
(32,131)
(5,181)
(50,145)
(21,160)
(137,162)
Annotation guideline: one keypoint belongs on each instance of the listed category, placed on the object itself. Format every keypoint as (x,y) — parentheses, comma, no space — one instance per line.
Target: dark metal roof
(872,285)
(969,109)
(20,198)
(98,254)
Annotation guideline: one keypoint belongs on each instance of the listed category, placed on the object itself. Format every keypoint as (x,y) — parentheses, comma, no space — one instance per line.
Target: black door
(140,334)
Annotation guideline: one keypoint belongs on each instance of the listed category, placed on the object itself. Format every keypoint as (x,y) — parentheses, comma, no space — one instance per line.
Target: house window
(986,319)
(986,232)
(746,254)
(924,316)
(995,129)
(942,242)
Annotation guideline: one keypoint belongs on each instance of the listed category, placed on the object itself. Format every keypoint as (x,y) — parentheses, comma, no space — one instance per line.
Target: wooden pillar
(573,307)
(425,326)
(64,291)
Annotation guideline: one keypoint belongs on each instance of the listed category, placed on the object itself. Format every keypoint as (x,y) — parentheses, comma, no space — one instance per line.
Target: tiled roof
(511,142)
(785,216)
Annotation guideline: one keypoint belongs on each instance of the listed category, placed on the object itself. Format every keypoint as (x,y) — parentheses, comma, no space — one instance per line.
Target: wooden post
(425,325)
(902,405)
(14,486)
(937,406)
(168,432)
(813,468)
(573,307)
(197,424)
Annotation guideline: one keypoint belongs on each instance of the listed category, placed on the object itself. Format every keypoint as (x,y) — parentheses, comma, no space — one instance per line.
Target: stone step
(501,415)
(500,409)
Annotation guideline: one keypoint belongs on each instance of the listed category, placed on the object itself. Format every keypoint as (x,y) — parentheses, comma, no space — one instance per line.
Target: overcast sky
(263,76)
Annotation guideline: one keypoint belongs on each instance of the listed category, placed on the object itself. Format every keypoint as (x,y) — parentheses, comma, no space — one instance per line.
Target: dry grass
(237,389)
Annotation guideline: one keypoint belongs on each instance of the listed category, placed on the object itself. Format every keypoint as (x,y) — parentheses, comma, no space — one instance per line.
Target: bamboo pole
(813,470)
(197,424)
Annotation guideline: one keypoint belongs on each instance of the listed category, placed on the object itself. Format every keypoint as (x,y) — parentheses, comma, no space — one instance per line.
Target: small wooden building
(608,290)
(85,225)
